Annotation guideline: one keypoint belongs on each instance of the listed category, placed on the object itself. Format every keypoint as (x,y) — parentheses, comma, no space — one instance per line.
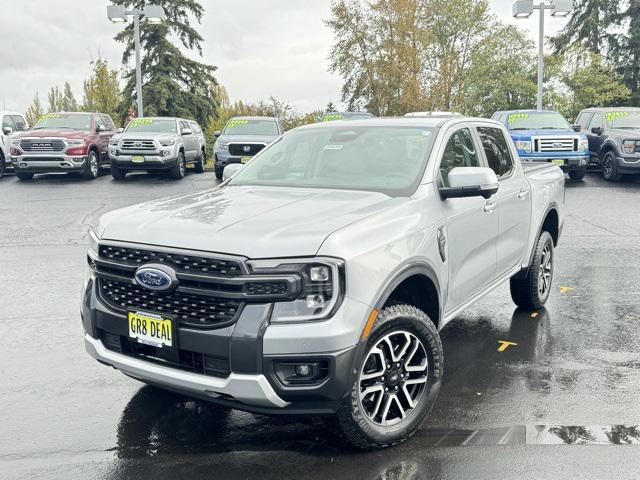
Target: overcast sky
(261,47)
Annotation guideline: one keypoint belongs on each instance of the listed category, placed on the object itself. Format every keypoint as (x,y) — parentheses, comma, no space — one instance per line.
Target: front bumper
(224,158)
(570,162)
(51,162)
(152,161)
(629,163)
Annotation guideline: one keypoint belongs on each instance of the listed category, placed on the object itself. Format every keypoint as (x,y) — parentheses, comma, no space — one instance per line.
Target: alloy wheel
(393,378)
(546,271)
(607,166)
(93,165)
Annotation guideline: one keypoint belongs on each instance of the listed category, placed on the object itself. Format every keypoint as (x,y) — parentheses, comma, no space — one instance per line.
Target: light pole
(524,9)
(154,14)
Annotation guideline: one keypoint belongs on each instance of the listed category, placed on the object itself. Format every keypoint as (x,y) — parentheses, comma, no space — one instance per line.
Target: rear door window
(459,152)
(496,150)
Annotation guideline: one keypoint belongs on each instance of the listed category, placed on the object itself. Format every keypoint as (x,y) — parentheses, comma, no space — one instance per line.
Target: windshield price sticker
(516,116)
(140,121)
(235,123)
(49,116)
(333,147)
(613,115)
(331,117)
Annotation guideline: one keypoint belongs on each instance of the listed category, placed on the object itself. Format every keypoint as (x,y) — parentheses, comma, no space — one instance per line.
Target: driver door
(471,224)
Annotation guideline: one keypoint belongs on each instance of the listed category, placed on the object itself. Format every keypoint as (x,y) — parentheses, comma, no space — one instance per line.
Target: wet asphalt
(564,402)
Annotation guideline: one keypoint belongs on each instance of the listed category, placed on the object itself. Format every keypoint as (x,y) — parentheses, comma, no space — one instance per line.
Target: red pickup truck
(64,142)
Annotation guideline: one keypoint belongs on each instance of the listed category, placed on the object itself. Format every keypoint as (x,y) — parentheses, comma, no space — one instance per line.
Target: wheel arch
(608,146)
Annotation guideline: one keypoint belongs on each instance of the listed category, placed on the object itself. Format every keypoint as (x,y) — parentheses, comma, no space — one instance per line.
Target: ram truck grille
(42,145)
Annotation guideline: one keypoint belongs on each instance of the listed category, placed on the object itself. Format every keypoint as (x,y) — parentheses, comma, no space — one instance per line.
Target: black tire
(531,292)
(118,173)
(25,176)
(3,166)
(179,171)
(577,175)
(199,165)
(357,422)
(92,166)
(219,172)
(610,167)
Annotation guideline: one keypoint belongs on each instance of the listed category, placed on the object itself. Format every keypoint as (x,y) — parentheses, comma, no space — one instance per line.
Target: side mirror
(231,169)
(596,130)
(217,133)
(576,128)
(186,131)
(120,130)
(7,130)
(470,182)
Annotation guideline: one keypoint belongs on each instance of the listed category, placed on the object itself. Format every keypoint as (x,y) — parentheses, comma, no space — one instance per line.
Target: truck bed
(531,167)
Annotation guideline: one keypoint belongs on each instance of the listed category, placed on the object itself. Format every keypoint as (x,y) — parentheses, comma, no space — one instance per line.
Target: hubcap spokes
(393,378)
(546,270)
(94,166)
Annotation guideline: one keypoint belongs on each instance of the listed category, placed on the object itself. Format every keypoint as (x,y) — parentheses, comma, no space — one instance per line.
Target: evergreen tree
(34,111)
(55,99)
(330,107)
(625,51)
(69,102)
(102,90)
(173,84)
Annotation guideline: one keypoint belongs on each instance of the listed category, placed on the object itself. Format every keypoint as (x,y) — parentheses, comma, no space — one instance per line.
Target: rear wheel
(117,173)
(219,172)
(179,170)
(92,167)
(532,291)
(577,175)
(398,380)
(199,166)
(3,166)
(24,176)
(610,167)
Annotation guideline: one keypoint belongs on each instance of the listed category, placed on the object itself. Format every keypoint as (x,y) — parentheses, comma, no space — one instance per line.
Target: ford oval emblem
(156,277)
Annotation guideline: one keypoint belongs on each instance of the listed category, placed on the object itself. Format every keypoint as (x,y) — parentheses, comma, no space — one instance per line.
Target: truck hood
(526,134)
(625,133)
(143,136)
(256,222)
(61,133)
(247,138)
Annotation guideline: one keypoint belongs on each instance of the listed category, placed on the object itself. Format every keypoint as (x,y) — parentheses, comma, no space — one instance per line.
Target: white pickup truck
(316,279)
(12,122)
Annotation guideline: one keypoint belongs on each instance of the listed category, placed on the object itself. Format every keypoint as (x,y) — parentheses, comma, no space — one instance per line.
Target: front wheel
(199,166)
(24,176)
(92,167)
(179,170)
(577,175)
(3,166)
(219,173)
(610,167)
(532,291)
(398,380)
(118,173)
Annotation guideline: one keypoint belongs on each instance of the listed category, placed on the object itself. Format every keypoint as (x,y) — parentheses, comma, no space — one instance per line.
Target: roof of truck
(429,122)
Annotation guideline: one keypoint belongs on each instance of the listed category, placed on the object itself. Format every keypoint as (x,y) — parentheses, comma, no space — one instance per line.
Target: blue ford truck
(546,136)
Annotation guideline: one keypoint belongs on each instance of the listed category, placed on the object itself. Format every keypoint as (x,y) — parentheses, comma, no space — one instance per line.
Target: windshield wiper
(521,128)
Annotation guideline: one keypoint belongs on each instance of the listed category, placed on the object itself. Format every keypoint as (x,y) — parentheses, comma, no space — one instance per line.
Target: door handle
(490,207)
(522,194)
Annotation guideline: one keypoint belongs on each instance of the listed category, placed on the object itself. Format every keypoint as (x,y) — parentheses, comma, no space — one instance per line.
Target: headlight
(629,146)
(583,145)
(74,142)
(15,142)
(524,145)
(113,141)
(167,142)
(322,284)
(93,241)
(222,146)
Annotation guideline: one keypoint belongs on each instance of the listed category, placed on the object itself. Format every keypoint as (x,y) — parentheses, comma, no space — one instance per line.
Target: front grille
(245,149)
(189,309)
(180,262)
(182,359)
(564,144)
(266,288)
(43,159)
(44,145)
(138,145)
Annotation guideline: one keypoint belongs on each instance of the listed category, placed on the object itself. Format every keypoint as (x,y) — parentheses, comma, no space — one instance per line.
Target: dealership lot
(567,374)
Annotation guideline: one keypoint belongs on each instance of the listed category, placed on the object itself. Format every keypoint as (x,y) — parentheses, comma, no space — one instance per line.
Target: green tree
(69,102)
(330,107)
(102,90)
(34,111)
(173,84)
(55,99)
(625,51)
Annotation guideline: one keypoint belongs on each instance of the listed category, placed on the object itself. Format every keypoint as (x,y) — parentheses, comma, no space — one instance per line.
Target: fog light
(319,274)
(315,301)
(304,370)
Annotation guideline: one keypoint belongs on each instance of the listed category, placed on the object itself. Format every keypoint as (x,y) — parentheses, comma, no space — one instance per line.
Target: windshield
(152,125)
(624,119)
(244,126)
(71,121)
(386,159)
(537,121)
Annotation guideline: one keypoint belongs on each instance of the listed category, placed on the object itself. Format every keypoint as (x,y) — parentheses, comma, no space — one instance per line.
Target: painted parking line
(504,344)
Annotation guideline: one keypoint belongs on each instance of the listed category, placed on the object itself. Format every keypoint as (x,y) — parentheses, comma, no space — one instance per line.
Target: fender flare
(552,206)
(609,144)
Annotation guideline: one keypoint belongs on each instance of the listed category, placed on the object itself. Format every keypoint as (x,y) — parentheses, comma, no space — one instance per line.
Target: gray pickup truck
(315,280)
(158,143)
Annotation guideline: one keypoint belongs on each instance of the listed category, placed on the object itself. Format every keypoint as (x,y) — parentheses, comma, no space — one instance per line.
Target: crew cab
(242,138)
(614,139)
(546,136)
(63,142)
(158,143)
(12,122)
(315,281)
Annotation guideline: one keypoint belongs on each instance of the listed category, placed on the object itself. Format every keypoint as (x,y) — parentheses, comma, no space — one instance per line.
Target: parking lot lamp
(524,9)
(153,14)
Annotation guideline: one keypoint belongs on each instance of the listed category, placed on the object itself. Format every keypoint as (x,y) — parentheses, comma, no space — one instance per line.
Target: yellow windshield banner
(235,123)
(516,116)
(136,122)
(48,116)
(332,116)
(613,115)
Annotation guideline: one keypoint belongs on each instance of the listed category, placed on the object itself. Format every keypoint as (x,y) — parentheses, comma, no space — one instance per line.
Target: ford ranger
(160,143)
(315,280)
(614,139)
(546,136)
(63,142)
(12,123)
(242,138)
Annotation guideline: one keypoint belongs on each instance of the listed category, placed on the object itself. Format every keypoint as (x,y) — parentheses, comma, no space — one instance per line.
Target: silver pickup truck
(158,143)
(315,280)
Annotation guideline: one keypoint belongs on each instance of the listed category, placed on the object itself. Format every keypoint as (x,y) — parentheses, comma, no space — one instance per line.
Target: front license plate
(245,159)
(137,159)
(151,329)
(558,161)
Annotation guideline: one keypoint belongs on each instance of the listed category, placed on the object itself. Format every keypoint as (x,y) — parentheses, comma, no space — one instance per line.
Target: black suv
(614,139)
